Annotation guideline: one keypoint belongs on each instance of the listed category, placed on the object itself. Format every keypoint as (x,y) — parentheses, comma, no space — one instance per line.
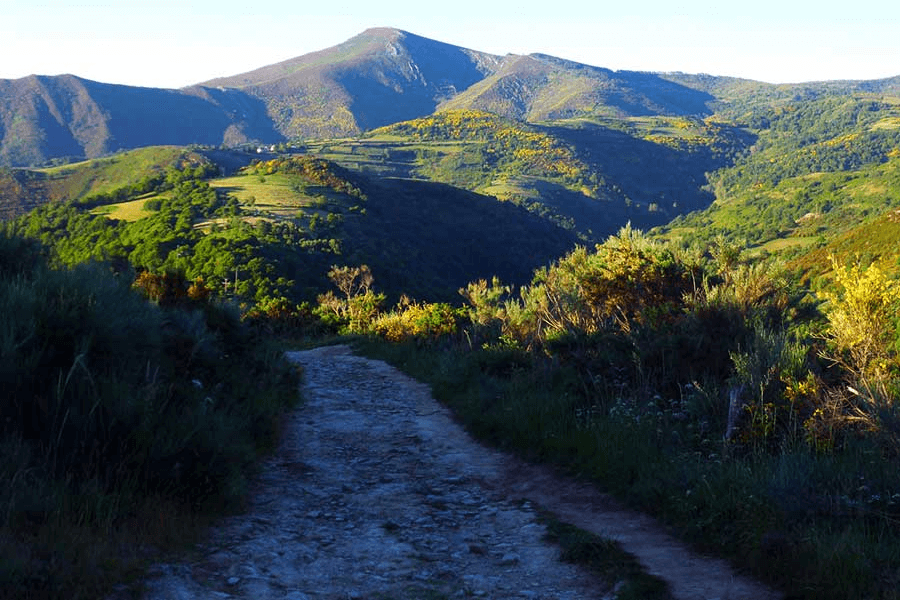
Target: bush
(862,331)
(419,321)
(108,398)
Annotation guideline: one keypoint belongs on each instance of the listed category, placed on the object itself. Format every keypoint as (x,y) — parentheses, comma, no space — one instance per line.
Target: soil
(376,493)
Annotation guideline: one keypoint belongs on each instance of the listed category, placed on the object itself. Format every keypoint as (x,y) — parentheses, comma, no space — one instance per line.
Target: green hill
(276,227)
(817,168)
(114,177)
(538,87)
(591,175)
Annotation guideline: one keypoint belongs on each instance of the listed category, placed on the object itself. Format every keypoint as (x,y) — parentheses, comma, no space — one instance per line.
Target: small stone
(509,559)
(233,580)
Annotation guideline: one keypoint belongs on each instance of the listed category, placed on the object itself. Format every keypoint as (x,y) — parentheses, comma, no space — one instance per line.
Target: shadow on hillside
(643,173)
(434,238)
(664,96)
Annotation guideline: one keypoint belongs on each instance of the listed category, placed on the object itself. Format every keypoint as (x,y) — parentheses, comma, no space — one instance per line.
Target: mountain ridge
(378,77)
(55,117)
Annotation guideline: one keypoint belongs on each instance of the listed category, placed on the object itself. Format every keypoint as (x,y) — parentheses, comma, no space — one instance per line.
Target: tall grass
(117,412)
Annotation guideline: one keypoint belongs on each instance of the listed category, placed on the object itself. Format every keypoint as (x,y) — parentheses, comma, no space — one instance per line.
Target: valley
(679,288)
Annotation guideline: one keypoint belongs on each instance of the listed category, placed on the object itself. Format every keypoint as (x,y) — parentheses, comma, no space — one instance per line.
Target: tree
(352,281)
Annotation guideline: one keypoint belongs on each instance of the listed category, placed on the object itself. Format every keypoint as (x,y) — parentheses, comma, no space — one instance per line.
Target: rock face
(376,493)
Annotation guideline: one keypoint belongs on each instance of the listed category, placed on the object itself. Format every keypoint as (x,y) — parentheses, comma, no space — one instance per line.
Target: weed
(606,559)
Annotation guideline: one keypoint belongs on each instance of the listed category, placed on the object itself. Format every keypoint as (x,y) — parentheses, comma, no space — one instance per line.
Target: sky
(175,43)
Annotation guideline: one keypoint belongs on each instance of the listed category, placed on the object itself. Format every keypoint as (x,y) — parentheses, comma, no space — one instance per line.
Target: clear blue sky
(169,43)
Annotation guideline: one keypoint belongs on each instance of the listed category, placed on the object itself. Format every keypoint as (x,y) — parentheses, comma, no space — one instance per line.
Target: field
(127,211)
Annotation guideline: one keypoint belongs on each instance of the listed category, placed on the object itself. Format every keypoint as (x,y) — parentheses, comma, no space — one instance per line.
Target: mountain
(538,87)
(44,118)
(373,79)
(377,78)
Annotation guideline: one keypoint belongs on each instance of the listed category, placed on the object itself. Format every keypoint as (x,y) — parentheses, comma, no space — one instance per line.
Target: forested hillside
(818,169)
(272,231)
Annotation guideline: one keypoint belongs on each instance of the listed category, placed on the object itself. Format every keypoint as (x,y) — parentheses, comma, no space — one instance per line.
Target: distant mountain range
(379,77)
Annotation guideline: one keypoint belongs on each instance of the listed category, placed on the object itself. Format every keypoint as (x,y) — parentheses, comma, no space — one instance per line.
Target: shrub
(359,306)
(862,331)
(418,321)
(108,398)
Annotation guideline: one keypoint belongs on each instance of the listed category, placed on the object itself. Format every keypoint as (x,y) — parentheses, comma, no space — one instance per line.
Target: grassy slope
(874,242)
(131,210)
(102,175)
(23,189)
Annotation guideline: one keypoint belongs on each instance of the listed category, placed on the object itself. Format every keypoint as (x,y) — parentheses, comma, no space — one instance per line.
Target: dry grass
(132,210)
(273,191)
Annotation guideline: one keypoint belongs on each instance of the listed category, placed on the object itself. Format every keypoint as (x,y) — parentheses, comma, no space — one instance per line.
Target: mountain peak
(383,32)
(378,77)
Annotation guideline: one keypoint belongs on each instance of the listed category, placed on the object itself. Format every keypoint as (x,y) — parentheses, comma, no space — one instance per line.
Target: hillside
(274,229)
(818,168)
(378,77)
(67,117)
(119,176)
(590,175)
(538,87)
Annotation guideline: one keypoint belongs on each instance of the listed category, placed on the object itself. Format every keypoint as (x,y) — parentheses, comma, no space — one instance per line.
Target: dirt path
(376,493)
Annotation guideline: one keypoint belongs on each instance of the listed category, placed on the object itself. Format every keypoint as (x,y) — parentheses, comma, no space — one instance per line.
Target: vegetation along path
(376,493)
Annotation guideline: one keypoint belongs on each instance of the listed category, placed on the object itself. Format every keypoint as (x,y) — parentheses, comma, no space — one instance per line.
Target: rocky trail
(375,493)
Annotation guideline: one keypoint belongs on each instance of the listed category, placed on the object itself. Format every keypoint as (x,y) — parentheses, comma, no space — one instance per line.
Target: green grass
(277,195)
(103,175)
(274,193)
(786,243)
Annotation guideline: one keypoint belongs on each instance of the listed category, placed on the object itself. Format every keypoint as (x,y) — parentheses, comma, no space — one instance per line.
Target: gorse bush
(412,320)
(359,304)
(862,332)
